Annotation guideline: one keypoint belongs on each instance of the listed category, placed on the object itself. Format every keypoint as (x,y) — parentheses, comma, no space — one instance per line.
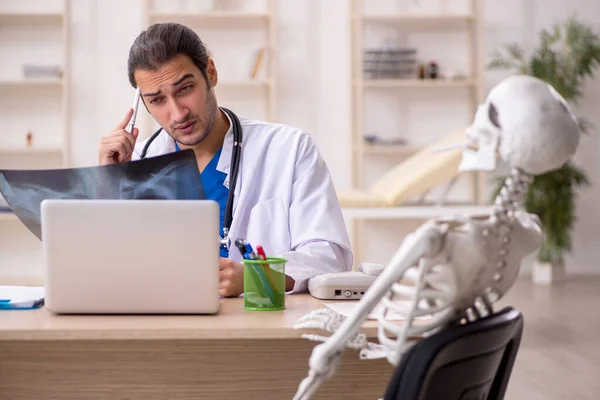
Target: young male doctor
(284,196)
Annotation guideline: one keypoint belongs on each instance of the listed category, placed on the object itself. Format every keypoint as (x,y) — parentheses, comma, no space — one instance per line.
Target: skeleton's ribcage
(417,306)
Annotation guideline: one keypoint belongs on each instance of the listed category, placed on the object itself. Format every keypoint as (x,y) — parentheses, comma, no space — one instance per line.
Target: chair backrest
(422,171)
(465,362)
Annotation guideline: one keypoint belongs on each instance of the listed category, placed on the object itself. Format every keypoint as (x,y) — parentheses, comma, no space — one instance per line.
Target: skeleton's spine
(511,196)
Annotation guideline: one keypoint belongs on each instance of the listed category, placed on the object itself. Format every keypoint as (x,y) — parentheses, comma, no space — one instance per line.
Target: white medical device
(344,285)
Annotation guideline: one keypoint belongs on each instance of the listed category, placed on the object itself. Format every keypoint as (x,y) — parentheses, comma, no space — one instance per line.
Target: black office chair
(464,362)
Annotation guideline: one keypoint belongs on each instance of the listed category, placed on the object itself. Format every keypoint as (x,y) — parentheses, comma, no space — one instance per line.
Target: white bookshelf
(416,21)
(379,103)
(213,17)
(31,151)
(25,16)
(56,82)
(397,150)
(34,32)
(414,212)
(416,83)
(251,26)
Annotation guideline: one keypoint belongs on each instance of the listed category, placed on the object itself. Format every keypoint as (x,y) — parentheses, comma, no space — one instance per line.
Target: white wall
(313,93)
(586,252)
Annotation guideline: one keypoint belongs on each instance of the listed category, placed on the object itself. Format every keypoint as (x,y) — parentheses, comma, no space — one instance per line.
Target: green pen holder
(264,284)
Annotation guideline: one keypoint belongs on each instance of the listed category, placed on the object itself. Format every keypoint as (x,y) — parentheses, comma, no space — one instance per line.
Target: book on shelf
(260,63)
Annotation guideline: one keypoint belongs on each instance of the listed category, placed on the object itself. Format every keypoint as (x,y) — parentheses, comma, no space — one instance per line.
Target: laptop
(131,256)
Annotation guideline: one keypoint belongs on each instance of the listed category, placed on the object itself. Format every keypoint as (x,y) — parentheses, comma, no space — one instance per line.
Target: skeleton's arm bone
(427,240)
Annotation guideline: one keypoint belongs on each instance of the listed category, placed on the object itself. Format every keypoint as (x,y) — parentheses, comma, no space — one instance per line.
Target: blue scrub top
(212,181)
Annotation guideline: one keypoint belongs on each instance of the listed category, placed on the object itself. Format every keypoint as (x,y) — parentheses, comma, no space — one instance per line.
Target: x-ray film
(173,176)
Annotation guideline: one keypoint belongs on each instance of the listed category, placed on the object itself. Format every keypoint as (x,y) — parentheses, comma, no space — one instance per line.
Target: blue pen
(250,252)
(4,301)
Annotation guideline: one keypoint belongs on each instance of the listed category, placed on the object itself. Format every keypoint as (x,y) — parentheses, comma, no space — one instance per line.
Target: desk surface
(232,322)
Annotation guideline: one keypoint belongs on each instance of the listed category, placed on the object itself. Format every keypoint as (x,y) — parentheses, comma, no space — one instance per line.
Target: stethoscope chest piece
(224,241)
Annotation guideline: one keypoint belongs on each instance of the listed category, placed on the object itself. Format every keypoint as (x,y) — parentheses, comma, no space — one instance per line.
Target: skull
(527,123)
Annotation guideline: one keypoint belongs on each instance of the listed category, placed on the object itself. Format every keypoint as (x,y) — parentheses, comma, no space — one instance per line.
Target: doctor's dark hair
(162,42)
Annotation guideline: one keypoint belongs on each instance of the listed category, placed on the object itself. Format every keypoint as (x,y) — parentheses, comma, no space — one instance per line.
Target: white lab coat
(284,199)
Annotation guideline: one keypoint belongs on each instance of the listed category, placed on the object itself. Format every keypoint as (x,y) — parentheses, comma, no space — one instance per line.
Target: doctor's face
(180,99)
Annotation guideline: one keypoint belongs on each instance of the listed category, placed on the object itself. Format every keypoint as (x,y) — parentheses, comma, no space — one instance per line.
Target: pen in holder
(264,284)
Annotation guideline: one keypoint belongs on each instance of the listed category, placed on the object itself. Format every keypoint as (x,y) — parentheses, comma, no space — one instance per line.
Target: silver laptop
(131,256)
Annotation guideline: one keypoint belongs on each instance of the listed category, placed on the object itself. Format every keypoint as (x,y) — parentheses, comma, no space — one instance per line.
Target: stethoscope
(233,173)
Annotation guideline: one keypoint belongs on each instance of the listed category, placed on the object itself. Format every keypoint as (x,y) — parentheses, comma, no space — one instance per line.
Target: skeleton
(453,269)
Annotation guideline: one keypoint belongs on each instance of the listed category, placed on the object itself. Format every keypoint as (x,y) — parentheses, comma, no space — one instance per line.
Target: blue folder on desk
(21,297)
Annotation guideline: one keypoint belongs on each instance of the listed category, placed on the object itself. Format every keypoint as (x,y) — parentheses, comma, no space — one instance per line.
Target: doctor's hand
(231,278)
(118,145)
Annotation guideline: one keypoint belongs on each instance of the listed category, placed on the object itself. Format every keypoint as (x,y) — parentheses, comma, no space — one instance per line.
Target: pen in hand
(136,104)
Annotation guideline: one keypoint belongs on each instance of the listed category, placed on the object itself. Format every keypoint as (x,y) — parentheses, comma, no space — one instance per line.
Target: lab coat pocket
(268,226)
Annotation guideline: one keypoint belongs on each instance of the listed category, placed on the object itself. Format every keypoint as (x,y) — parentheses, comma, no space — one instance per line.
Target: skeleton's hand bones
(330,321)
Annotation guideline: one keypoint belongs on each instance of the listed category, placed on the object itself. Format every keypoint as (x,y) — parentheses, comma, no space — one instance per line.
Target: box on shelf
(42,71)
(389,63)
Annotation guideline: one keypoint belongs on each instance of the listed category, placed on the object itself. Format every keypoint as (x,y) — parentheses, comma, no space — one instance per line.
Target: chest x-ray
(172,176)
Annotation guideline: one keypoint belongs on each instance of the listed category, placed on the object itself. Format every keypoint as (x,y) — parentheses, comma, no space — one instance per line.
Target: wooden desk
(235,355)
